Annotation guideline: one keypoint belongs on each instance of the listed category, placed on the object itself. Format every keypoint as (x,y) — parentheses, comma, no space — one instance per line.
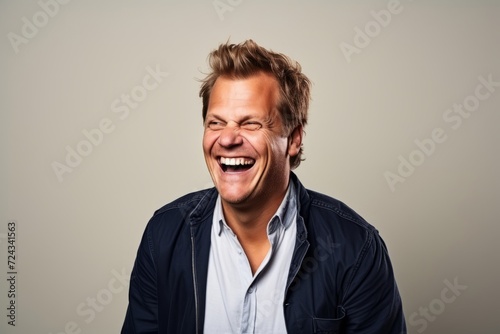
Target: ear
(295,141)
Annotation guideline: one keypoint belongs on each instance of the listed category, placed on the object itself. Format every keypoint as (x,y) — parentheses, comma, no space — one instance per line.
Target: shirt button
(251,290)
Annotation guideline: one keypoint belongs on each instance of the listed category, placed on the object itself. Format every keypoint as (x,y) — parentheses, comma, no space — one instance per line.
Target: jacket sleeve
(142,311)
(372,302)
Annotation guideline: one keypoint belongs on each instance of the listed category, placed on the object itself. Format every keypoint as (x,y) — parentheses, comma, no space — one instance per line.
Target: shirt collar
(284,216)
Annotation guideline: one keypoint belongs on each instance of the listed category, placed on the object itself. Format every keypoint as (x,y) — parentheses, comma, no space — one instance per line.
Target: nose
(230,136)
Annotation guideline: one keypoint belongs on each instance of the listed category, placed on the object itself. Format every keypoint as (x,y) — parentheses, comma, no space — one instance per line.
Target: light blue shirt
(241,302)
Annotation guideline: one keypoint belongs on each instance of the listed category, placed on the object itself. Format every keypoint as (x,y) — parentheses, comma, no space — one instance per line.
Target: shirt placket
(249,305)
(249,310)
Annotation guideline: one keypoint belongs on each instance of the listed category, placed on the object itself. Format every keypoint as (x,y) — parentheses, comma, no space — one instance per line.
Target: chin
(233,198)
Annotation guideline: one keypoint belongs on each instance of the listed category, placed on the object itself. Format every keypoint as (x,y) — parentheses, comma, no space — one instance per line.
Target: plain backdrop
(402,128)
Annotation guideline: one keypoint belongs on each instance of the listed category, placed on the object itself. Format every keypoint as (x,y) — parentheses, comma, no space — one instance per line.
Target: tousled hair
(246,59)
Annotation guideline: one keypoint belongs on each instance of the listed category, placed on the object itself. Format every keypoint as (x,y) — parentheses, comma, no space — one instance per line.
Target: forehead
(257,93)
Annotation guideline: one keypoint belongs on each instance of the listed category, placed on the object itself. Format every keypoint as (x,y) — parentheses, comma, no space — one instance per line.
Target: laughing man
(259,253)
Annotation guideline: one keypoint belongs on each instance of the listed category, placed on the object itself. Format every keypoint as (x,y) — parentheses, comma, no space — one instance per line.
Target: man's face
(245,149)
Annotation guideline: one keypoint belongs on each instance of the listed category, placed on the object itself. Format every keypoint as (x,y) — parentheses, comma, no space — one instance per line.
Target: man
(259,253)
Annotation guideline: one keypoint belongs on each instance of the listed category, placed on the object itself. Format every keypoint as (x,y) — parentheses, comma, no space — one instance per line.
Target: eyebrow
(243,119)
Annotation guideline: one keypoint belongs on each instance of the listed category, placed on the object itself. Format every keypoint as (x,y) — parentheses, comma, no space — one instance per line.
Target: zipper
(195,283)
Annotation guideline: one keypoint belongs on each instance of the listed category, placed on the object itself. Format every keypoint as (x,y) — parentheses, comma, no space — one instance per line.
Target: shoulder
(330,219)
(180,212)
(186,202)
(335,226)
(321,204)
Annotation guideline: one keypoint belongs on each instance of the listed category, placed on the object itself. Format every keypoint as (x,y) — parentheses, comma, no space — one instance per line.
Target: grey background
(77,236)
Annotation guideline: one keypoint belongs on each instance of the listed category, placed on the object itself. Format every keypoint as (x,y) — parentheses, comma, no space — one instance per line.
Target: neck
(249,223)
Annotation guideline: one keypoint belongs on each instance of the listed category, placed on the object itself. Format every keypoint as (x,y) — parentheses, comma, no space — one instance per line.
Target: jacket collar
(204,207)
(303,203)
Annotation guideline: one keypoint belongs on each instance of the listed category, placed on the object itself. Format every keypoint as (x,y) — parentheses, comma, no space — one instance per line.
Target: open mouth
(234,165)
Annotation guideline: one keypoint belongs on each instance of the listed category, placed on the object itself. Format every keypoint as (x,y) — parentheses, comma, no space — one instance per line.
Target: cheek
(277,146)
(269,146)
(209,140)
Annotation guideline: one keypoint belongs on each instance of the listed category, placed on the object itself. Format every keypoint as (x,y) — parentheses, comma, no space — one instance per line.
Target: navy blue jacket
(340,278)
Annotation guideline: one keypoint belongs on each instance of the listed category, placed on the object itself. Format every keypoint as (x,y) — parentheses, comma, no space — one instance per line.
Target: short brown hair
(246,59)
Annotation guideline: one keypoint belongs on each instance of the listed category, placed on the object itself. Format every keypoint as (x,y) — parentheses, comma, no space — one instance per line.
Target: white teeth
(235,161)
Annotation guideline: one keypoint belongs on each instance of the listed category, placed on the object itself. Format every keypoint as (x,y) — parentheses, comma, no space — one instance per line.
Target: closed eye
(216,125)
(252,126)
